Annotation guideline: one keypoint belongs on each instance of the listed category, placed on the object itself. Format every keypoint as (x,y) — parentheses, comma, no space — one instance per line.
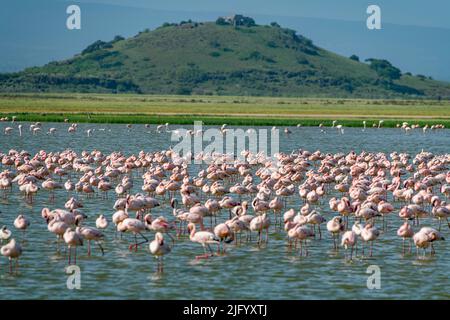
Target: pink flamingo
(335,226)
(91,234)
(159,248)
(349,239)
(12,250)
(134,226)
(405,231)
(205,238)
(72,239)
(225,234)
(369,234)
(57,227)
(101,222)
(21,223)
(260,223)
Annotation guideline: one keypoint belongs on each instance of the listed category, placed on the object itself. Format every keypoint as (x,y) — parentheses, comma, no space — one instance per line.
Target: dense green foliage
(384,69)
(221,59)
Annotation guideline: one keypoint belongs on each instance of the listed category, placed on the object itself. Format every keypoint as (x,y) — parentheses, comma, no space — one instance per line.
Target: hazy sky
(434,13)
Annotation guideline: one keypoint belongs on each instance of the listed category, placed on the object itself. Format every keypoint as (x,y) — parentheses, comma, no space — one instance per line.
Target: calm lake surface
(245,271)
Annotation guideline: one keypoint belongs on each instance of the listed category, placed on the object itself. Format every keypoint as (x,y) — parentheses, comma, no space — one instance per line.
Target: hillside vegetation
(220,59)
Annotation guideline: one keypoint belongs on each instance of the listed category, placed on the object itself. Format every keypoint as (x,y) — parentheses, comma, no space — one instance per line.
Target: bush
(384,69)
(97,45)
(221,21)
(117,38)
(354,57)
(421,77)
(214,54)
(168,24)
(184,91)
(302,61)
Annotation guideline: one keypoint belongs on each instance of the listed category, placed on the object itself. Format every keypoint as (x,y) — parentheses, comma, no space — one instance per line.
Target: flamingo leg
(101,248)
(57,243)
(142,242)
(171,237)
(205,255)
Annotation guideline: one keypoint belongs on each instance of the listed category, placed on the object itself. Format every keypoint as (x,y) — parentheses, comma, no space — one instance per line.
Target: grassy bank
(103,108)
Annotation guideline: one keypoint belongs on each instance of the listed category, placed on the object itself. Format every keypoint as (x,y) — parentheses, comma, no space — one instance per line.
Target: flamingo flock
(349,196)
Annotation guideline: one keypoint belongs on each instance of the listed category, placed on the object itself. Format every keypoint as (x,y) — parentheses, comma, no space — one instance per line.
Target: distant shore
(217,110)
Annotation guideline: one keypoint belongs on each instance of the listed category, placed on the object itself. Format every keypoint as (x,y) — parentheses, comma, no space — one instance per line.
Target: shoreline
(217,110)
(243,120)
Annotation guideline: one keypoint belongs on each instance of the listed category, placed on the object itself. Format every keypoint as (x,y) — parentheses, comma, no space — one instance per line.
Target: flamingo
(316,218)
(58,227)
(118,217)
(335,226)
(159,248)
(21,223)
(302,233)
(205,238)
(72,239)
(237,226)
(259,223)
(91,234)
(385,208)
(225,234)
(441,212)
(51,186)
(369,234)
(159,224)
(405,231)
(134,226)
(5,234)
(276,205)
(12,250)
(425,238)
(349,239)
(101,222)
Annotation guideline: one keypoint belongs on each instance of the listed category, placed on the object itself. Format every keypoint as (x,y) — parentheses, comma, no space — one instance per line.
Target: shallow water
(245,271)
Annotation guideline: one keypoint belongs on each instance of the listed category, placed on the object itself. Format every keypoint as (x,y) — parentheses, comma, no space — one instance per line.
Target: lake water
(245,271)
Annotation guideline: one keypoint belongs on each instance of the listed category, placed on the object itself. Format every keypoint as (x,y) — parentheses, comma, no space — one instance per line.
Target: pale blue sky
(434,13)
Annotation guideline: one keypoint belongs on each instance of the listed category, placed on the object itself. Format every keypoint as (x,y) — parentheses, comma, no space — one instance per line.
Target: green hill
(220,59)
